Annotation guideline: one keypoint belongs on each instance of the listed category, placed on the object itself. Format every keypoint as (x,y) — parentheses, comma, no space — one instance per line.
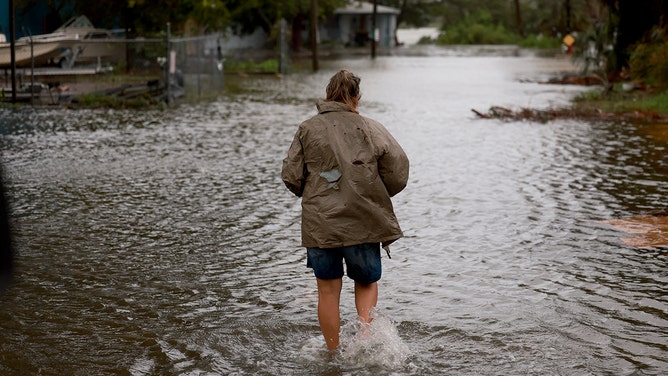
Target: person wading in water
(345,167)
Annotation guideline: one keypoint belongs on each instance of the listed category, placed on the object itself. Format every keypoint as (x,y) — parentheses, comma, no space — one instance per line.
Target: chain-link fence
(126,68)
(193,66)
(198,63)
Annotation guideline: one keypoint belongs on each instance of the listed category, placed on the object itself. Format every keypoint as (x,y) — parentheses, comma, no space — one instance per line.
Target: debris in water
(503,113)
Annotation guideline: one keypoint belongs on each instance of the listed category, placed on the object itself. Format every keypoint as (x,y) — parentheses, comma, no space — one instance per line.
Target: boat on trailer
(77,40)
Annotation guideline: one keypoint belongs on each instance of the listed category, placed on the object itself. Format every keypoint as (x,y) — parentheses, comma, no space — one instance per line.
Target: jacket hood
(331,106)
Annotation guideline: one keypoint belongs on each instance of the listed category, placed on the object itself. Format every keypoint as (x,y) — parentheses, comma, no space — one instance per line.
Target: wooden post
(518,18)
(32,71)
(284,47)
(314,34)
(12,48)
(168,64)
(568,16)
(373,29)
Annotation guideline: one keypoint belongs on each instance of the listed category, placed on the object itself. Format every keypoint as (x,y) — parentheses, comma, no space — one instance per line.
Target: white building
(351,25)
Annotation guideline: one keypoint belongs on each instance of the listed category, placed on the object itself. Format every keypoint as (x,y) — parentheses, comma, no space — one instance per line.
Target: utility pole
(568,16)
(373,29)
(314,34)
(12,48)
(284,47)
(168,65)
(518,18)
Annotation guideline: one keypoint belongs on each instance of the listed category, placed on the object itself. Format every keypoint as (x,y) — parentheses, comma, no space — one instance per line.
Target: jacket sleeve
(393,165)
(292,173)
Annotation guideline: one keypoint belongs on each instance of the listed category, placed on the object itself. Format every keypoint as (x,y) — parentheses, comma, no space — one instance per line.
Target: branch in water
(498,112)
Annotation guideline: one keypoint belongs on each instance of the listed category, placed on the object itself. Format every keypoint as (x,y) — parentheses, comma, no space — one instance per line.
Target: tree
(108,16)
(145,17)
(546,17)
(247,15)
(633,19)
(414,13)
(55,11)
(518,17)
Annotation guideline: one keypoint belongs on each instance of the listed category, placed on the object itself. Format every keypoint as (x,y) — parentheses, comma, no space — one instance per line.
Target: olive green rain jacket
(345,167)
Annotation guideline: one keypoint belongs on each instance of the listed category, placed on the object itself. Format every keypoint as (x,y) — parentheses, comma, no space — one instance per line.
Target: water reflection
(651,230)
(163,242)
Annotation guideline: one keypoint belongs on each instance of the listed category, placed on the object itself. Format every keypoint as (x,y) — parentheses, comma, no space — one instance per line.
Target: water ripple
(163,242)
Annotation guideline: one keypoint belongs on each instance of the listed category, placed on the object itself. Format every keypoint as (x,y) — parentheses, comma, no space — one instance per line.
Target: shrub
(477,29)
(649,60)
(249,66)
(539,41)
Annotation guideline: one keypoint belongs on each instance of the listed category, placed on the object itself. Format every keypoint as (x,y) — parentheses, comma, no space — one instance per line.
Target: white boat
(43,50)
(77,40)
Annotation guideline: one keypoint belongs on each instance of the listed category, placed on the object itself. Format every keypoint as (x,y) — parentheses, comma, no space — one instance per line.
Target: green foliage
(454,12)
(247,15)
(108,15)
(250,66)
(144,17)
(211,14)
(425,40)
(479,28)
(594,51)
(657,102)
(619,101)
(649,59)
(111,101)
(539,41)
(414,13)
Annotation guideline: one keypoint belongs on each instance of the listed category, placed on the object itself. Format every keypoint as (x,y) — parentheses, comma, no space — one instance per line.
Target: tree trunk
(314,34)
(297,24)
(635,19)
(518,18)
(568,16)
(373,29)
(400,19)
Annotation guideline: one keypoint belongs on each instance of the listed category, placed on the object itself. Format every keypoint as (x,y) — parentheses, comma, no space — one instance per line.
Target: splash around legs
(329,296)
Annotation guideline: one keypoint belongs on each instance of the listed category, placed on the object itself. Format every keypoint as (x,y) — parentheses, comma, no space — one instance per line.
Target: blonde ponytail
(344,87)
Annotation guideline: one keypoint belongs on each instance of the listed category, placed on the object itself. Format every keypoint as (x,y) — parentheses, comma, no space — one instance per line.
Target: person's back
(345,167)
(345,199)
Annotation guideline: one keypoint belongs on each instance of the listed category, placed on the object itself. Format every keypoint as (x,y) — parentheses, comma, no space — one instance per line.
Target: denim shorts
(362,262)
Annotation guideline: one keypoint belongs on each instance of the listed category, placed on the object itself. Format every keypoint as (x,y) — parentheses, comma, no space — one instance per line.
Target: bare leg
(366,297)
(329,295)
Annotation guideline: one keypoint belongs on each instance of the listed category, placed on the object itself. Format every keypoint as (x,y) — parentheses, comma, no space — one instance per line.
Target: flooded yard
(164,242)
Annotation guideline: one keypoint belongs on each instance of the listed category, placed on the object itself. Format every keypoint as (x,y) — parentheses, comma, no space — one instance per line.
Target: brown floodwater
(162,242)
(651,231)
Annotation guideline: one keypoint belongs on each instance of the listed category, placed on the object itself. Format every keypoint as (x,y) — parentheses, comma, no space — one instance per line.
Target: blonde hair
(344,87)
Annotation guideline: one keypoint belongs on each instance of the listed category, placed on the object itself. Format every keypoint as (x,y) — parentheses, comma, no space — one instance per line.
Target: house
(351,25)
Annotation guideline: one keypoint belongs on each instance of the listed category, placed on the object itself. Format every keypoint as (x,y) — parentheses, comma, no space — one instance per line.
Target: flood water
(164,242)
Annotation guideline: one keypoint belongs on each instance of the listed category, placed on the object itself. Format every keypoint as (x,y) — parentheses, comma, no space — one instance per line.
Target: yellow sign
(569,40)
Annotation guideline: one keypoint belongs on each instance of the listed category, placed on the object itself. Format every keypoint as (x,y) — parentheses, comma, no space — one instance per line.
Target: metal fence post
(220,63)
(32,70)
(199,67)
(168,64)
(283,46)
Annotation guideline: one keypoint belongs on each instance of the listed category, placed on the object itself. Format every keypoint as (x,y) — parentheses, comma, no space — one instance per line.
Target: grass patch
(619,101)
(250,66)
(481,28)
(649,60)
(477,34)
(111,101)
(539,42)
(478,28)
